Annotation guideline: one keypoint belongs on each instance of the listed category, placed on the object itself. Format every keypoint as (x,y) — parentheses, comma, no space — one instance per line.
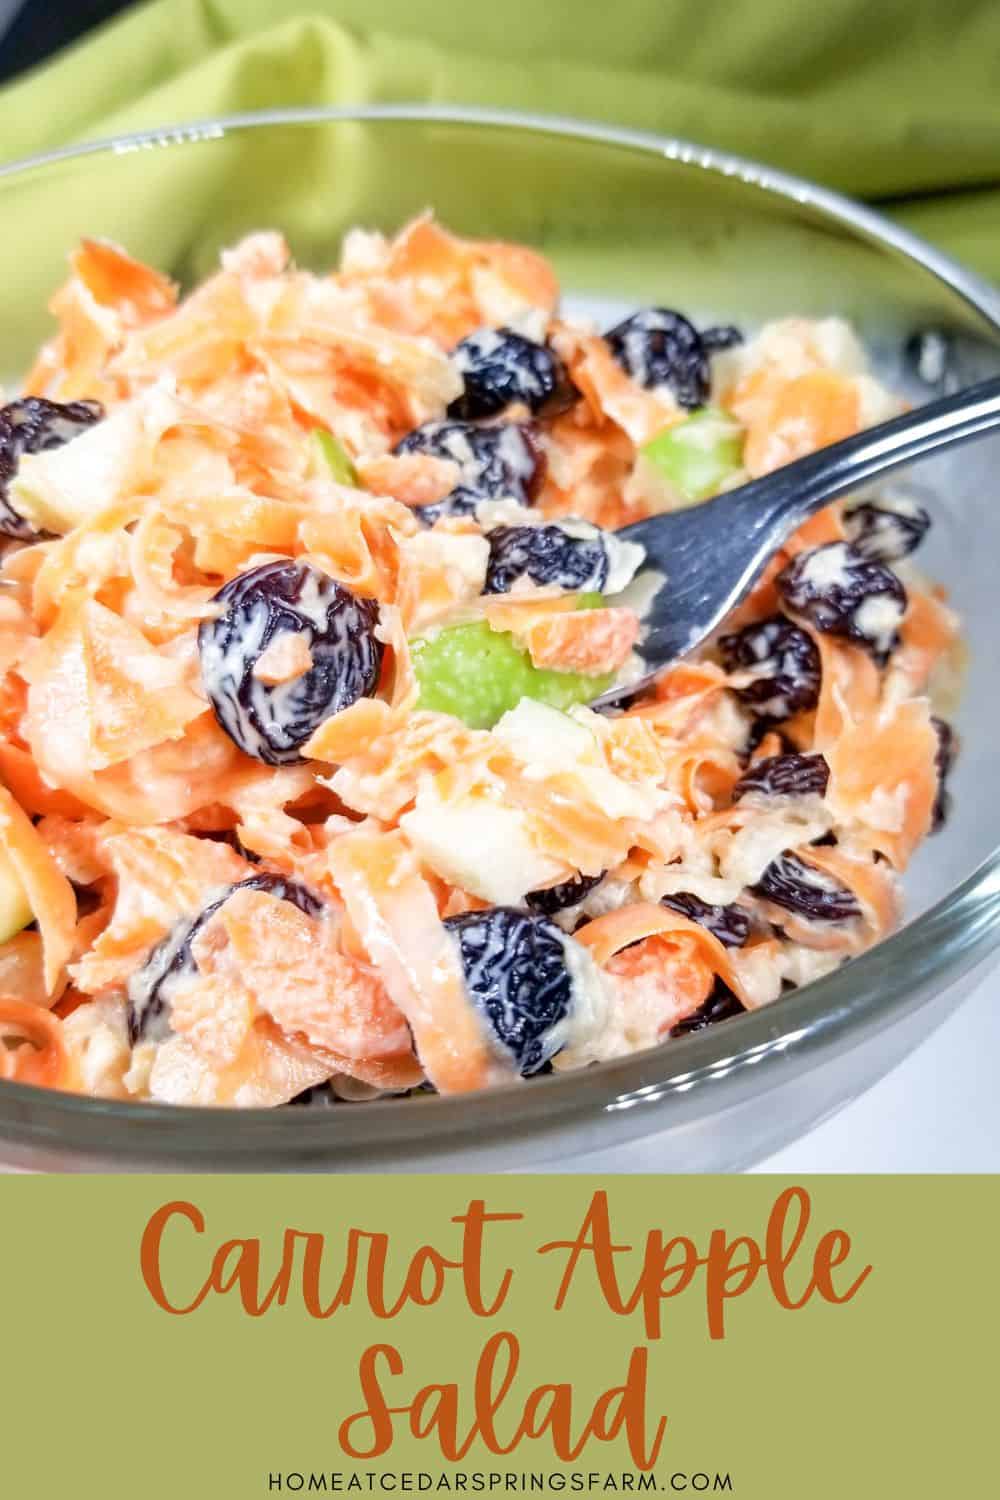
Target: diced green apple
(15,909)
(693,460)
(336,457)
(479,674)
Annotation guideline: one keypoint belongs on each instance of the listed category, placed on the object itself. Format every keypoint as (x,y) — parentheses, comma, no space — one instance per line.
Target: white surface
(939,1111)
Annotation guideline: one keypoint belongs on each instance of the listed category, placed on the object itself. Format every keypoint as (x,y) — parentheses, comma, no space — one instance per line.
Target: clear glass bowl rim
(711,1068)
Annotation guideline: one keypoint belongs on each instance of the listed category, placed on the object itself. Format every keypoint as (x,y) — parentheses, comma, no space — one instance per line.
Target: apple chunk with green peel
(692,461)
(15,908)
(335,459)
(477,674)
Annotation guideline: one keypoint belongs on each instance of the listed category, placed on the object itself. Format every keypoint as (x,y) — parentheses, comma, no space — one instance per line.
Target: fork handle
(712,554)
(805,486)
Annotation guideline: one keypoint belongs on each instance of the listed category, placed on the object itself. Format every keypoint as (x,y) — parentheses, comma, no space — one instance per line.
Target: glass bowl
(627,219)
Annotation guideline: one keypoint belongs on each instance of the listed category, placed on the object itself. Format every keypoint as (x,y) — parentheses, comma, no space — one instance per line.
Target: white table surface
(939,1111)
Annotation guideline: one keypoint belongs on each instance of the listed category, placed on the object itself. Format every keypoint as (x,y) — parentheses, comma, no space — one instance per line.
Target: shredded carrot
(31,1045)
(132,802)
(396,917)
(49,893)
(608,935)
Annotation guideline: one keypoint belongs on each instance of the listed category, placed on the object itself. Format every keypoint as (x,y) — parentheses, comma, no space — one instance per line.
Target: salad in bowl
(309,583)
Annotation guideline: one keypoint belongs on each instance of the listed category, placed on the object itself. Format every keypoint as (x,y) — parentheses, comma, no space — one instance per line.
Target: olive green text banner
(245,1337)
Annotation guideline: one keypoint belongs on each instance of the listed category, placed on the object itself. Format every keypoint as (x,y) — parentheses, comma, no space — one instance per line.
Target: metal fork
(710,555)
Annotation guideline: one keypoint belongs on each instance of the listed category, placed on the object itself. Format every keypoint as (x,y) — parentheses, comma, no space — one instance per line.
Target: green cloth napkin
(895,101)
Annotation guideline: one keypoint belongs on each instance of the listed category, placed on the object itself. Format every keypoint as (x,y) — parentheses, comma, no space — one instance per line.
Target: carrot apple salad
(307,584)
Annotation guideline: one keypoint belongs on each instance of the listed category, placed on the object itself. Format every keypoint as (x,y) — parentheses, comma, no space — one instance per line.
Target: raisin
(545,554)
(792,775)
(560,897)
(272,722)
(149,987)
(517,978)
(721,1005)
(886,530)
(725,336)
(789,882)
(944,760)
(493,462)
(785,663)
(759,731)
(730,924)
(658,347)
(460,501)
(500,368)
(839,591)
(34,425)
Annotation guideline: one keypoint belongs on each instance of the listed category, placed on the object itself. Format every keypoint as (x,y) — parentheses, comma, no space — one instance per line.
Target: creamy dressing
(461,559)
(751,849)
(60,488)
(586,1021)
(97,1037)
(878,618)
(481,846)
(827,567)
(501,305)
(544,739)
(155,980)
(505,512)
(551,743)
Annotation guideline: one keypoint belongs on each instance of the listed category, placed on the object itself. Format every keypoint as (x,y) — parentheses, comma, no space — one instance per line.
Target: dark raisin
(730,924)
(785,663)
(517,978)
(887,530)
(721,1005)
(149,987)
(725,336)
(789,882)
(792,775)
(458,502)
(839,591)
(759,731)
(545,554)
(272,722)
(493,462)
(944,760)
(500,368)
(34,425)
(561,897)
(658,347)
